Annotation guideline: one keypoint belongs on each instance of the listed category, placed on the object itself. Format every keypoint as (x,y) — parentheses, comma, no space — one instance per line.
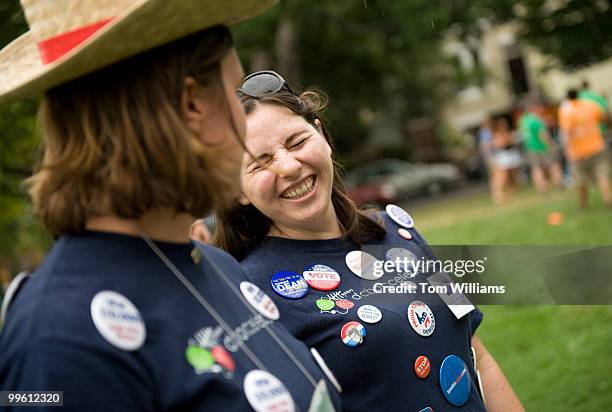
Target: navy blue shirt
(378,374)
(154,346)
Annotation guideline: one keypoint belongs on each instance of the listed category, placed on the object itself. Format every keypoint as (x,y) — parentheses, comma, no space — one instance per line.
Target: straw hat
(70,38)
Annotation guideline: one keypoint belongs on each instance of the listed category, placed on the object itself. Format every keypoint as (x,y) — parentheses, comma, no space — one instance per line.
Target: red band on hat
(55,47)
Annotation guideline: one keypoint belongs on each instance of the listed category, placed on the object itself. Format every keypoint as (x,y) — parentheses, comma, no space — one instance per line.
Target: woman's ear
(318,126)
(243,200)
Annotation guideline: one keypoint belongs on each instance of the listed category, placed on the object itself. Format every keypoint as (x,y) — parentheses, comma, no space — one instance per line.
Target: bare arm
(497,390)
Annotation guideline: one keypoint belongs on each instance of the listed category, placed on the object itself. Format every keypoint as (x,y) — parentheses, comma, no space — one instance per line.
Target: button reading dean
(289,285)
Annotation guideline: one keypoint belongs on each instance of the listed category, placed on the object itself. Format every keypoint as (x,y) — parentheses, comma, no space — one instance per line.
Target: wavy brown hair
(116,142)
(241,228)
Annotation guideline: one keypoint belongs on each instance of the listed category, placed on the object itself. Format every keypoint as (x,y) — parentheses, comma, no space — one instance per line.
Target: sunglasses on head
(263,82)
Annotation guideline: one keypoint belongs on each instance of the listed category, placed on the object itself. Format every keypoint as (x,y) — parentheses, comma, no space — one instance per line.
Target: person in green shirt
(587,94)
(542,151)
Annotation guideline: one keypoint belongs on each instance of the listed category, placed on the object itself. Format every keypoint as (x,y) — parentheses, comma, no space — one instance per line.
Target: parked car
(392,180)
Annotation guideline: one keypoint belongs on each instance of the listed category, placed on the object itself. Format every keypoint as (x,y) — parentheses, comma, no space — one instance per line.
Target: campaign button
(289,285)
(362,264)
(259,300)
(403,259)
(369,314)
(428,409)
(421,318)
(352,333)
(455,380)
(118,320)
(404,233)
(344,303)
(321,277)
(399,216)
(266,393)
(422,367)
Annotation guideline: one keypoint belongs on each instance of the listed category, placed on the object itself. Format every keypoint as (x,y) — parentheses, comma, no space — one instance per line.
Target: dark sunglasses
(263,82)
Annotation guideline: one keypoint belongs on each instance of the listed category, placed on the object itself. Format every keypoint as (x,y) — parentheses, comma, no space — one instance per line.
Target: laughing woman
(303,241)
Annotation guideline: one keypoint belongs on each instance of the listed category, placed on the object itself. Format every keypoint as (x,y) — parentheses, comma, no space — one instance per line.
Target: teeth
(300,191)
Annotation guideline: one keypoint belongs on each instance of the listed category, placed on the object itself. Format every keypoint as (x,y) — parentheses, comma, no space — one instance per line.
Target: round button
(289,285)
(265,392)
(362,265)
(259,300)
(421,318)
(321,277)
(352,334)
(422,367)
(455,380)
(400,216)
(404,233)
(369,314)
(403,259)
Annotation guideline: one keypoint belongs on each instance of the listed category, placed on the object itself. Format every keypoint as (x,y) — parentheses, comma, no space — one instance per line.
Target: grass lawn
(558,358)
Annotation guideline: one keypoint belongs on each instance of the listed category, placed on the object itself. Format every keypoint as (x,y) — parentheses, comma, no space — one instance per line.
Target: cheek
(262,188)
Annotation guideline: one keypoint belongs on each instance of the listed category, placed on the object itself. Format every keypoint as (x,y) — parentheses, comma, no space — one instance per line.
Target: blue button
(289,285)
(455,380)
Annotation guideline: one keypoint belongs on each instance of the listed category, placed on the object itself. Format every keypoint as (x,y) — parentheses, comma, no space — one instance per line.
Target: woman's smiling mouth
(300,191)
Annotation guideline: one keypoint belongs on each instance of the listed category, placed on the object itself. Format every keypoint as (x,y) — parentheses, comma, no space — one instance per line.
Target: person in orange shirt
(585,147)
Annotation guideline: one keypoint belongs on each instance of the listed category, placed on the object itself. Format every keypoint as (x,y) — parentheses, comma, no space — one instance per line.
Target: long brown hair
(115,141)
(241,228)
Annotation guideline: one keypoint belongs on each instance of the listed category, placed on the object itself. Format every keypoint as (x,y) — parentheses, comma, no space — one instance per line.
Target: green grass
(558,358)
(524,220)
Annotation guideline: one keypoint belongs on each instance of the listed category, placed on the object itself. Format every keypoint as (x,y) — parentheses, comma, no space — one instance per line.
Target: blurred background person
(506,160)
(587,94)
(541,150)
(585,146)
(484,137)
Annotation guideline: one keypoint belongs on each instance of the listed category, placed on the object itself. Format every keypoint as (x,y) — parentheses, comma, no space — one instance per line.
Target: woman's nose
(287,165)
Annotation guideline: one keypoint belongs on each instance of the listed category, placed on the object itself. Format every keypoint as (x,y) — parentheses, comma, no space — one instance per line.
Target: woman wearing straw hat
(139,109)
(301,240)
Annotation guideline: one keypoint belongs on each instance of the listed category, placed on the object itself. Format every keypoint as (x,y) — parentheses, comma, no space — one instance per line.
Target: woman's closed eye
(299,143)
(259,163)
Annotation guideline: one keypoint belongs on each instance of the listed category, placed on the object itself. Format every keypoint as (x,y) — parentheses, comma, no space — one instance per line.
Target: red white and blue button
(455,380)
(421,318)
(289,285)
(400,216)
(321,277)
(352,334)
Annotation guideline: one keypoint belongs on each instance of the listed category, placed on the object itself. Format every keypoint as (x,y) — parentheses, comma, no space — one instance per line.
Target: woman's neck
(327,228)
(162,225)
